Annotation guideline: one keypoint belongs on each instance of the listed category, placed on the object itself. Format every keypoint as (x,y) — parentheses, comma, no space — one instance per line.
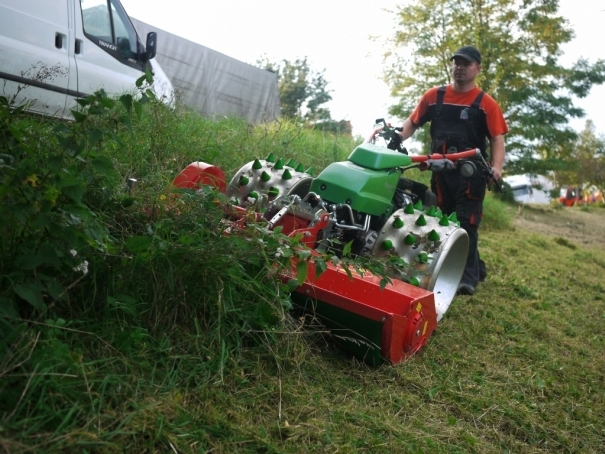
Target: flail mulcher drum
(262,181)
(433,243)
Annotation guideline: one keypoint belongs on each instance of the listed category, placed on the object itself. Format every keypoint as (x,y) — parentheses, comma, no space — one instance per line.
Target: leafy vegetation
(584,162)
(176,337)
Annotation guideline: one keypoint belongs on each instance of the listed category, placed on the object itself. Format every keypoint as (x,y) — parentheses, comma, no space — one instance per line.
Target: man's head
(469,53)
(466,65)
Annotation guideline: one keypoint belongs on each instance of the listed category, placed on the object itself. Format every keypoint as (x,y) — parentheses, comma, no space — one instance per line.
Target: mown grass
(188,344)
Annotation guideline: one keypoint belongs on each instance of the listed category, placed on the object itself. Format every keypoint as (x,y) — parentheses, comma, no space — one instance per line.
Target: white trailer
(215,84)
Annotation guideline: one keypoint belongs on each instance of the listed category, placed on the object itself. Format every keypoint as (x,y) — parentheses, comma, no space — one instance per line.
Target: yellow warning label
(424,328)
(419,307)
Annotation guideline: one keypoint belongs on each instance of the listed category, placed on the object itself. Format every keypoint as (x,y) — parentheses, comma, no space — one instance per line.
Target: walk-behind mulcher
(364,205)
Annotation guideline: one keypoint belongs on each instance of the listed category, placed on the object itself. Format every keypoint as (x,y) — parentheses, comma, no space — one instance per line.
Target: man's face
(464,70)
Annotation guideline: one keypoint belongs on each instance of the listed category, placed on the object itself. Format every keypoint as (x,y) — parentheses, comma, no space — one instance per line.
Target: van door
(107,48)
(34,59)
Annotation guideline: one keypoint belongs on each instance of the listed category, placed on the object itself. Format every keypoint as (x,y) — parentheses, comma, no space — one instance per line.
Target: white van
(53,51)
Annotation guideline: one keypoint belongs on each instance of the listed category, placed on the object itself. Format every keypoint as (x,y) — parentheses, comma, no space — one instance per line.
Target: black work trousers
(464,196)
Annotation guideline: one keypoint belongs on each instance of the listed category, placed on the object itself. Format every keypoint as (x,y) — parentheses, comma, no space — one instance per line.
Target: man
(462,117)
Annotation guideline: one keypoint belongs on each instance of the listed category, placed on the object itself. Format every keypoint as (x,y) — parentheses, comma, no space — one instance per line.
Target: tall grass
(181,339)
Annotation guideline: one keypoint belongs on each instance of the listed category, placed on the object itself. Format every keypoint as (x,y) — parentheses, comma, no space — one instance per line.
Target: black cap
(469,53)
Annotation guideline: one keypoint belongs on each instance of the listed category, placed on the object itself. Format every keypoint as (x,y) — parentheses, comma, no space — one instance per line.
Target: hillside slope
(581,226)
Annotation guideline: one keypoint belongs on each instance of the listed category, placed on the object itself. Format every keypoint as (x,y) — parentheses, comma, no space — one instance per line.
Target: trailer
(215,84)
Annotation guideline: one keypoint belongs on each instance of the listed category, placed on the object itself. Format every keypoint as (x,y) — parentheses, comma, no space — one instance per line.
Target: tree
(585,161)
(302,92)
(520,42)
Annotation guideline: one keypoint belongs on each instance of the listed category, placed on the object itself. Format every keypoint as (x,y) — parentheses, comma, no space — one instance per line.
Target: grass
(188,344)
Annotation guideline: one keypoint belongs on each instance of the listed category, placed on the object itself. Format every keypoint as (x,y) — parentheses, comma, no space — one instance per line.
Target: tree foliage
(520,42)
(302,91)
(585,161)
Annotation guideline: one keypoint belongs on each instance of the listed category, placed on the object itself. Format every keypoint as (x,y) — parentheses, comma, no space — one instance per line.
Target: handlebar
(389,134)
(436,162)
(468,154)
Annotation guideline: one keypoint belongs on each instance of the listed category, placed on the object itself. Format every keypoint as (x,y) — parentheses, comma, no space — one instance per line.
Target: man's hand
(497,152)
(497,173)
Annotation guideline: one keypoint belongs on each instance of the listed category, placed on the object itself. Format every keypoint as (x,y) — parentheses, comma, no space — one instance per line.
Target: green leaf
(94,136)
(347,270)
(55,289)
(187,239)
(48,255)
(138,109)
(140,80)
(124,303)
(16,132)
(126,101)
(264,314)
(27,260)
(127,201)
(104,100)
(80,211)
(138,244)
(55,162)
(72,187)
(83,101)
(19,109)
(103,165)
(303,254)
(95,110)
(7,307)
(32,294)
(346,250)
(383,282)
(292,284)
(125,120)
(78,116)
(80,146)
(66,143)
(320,266)
(301,271)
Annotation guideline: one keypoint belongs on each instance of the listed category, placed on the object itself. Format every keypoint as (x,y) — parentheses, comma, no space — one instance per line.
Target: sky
(335,35)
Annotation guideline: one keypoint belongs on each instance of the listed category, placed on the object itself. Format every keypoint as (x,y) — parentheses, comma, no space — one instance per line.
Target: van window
(521,191)
(107,21)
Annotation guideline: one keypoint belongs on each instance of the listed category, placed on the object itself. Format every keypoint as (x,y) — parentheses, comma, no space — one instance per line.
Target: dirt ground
(584,227)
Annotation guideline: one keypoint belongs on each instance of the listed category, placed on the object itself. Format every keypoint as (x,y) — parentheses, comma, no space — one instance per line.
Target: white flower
(82,267)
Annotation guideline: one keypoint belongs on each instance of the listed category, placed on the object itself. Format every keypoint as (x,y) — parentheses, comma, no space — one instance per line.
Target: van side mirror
(151,46)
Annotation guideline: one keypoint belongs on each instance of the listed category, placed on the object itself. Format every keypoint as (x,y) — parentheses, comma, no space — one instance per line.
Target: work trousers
(464,196)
